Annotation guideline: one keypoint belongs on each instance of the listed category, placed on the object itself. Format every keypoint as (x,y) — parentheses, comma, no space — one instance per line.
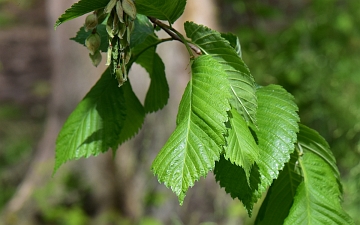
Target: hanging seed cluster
(93,41)
(119,26)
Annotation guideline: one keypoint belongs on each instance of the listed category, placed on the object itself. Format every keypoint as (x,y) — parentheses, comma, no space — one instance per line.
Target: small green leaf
(280,196)
(161,9)
(241,82)
(81,36)
(241,148)
(197,141)
(80,8)
(158,93)
(318,198)
(234,42)
(95,125)
(135,114)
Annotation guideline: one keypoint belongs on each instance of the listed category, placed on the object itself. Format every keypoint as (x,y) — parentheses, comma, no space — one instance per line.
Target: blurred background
(312,48)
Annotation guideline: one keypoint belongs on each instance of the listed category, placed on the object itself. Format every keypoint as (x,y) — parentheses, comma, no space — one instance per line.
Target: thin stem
(176,36)
(134,58)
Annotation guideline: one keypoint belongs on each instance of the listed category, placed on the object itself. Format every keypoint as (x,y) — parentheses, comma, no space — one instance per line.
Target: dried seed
(129,8)
(93,43)
(91,21)
(96,58)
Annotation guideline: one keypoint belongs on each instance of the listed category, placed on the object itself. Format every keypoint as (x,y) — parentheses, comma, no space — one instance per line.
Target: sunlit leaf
(241,81)
(197,141)
(241,148)
(317,199)
(277,125)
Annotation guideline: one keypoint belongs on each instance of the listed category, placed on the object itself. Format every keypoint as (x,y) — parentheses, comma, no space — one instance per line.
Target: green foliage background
(311,49)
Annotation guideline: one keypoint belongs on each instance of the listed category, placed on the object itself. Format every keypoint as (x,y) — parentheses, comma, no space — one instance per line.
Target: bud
(129,8)
(93,43)
(91,22)
(96,58)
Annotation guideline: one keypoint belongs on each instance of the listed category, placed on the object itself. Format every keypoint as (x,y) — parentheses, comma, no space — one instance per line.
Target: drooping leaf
(95,125)
(277,125)
(280,196)
(158,93)
(234,42)
(317,199)
(161,9)
(241,148)
(81,36)
(233,178)
(135,114)
(197,141)
(80,8)
(241,81)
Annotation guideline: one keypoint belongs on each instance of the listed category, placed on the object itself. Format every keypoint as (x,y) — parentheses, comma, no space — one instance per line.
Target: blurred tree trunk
(72,76)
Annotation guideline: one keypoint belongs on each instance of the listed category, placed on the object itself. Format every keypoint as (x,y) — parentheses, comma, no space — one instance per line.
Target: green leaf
(158,93)
(234,42)
(161,9)
(317,199)
(280,196)
(135,114)
(241,148)
(142,29)
(197,141)
(241,82)
(81,36)
(233,178)
(95,125)
(277,125)
(80,8)
(314,142)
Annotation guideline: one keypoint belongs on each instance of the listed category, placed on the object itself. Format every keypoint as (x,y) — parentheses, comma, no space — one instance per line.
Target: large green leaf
(241,148)
(158,93)
(277,125)
(135,114)
(317,199)
(242,83)
(95,125)
(161,9)
(280,196)
(80,8)
(197,141)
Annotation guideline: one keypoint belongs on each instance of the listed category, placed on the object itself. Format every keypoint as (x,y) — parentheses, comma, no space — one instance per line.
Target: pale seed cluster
(119,26)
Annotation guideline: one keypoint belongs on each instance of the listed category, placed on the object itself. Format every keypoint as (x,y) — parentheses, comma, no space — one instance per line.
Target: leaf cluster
(248,135)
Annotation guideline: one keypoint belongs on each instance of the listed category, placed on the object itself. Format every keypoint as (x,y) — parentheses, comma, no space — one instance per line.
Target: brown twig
(172,34)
